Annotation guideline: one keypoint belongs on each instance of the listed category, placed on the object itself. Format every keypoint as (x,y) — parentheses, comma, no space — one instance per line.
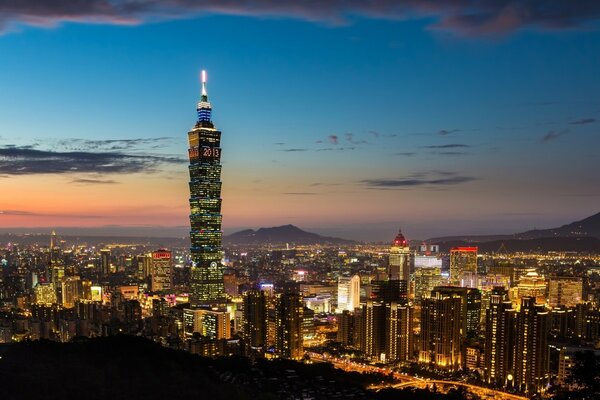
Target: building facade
(205,207)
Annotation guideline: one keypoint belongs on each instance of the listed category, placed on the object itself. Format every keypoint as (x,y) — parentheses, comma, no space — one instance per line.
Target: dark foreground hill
(126,367)
(280,235)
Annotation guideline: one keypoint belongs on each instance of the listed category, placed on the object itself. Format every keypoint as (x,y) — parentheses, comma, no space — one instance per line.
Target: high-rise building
(289,341)
(104,262)
(255,318)
(399,332)
(565,291)
(346,328)
(389,290)
(398,265)
(373,330)
(212,324)
(463,262)
(426,279)
(205,207)
(45,294)
(531,349)
(387,330)
(70,291)
(531,284)
(161,271)
(348,293)
(499,339)
(442,328)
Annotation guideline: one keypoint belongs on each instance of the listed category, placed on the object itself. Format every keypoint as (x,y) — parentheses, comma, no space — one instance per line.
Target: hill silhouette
(280,235)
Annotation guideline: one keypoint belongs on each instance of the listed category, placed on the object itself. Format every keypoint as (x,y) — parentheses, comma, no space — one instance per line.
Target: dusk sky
(354,119)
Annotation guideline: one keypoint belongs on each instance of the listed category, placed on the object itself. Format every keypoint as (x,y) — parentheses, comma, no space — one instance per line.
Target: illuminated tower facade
(398,266)
(205,207)
(463,266)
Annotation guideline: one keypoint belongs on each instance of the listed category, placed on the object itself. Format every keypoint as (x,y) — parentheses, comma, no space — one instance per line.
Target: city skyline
(351,128)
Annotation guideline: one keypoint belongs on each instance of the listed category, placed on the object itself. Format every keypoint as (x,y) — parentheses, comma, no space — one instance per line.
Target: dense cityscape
(420,315)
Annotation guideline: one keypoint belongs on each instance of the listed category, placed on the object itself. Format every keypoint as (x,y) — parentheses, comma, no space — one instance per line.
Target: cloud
(26,161)
(466,17)
(448,146)
(94,181)
(406,154)
(452,153)
(415,181)
(583,121)
(280,143)
(374,133)
(301,193)
(111,144)
(22,213)
(333,139)
(553,135)
(445,132)
(293,150)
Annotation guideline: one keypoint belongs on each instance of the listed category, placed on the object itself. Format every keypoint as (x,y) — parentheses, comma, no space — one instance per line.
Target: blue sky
(351,128)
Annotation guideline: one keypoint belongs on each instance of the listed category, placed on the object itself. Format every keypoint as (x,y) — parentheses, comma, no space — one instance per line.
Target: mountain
(280,235)
(587,227)
(577,244)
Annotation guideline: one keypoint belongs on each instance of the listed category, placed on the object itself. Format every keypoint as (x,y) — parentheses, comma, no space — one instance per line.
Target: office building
(289,314)
(500,325)
(565,291)
(255,318)
(442,328)
(105,267)
(348,293)
(212,324)
(398,264)
(161,271)
(71,291)
(531,346)
(463,262)
(205,207)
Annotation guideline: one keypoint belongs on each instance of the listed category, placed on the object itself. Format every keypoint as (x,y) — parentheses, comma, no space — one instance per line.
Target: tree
(585,374)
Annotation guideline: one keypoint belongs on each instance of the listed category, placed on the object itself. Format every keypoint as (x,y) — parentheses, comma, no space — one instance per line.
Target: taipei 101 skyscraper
(205,207)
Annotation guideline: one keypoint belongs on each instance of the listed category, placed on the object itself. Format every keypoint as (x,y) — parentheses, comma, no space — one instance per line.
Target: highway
(404,381)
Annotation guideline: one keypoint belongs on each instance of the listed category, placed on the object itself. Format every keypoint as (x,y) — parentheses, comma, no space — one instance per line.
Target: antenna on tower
(203,77)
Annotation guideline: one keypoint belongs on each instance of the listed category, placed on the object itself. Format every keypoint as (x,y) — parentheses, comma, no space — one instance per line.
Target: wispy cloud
(466,17)
(408,182)
(552,135)
(333,139)
(446,132)
(583,121)
(293,150)
(447,146)
(405,154)
(15,160)
(419,179)
(111,144)
(22,213)
(83,181)
(452,153)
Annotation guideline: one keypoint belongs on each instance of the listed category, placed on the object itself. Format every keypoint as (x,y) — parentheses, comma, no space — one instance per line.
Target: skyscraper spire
(203,77)
(204,107)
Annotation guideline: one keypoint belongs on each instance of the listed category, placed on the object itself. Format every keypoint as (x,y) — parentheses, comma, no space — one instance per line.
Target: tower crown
(204,107)
(400,240)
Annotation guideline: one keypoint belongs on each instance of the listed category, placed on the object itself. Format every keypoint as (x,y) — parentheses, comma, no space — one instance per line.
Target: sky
(347,118)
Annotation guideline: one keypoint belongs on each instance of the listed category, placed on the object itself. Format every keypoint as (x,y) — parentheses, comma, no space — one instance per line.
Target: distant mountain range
(280,235)
(581,235)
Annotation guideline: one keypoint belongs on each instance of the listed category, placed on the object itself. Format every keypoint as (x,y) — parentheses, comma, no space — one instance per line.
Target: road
(403,381)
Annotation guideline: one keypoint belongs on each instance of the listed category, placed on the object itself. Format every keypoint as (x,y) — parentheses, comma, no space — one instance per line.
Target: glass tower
(205,207)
